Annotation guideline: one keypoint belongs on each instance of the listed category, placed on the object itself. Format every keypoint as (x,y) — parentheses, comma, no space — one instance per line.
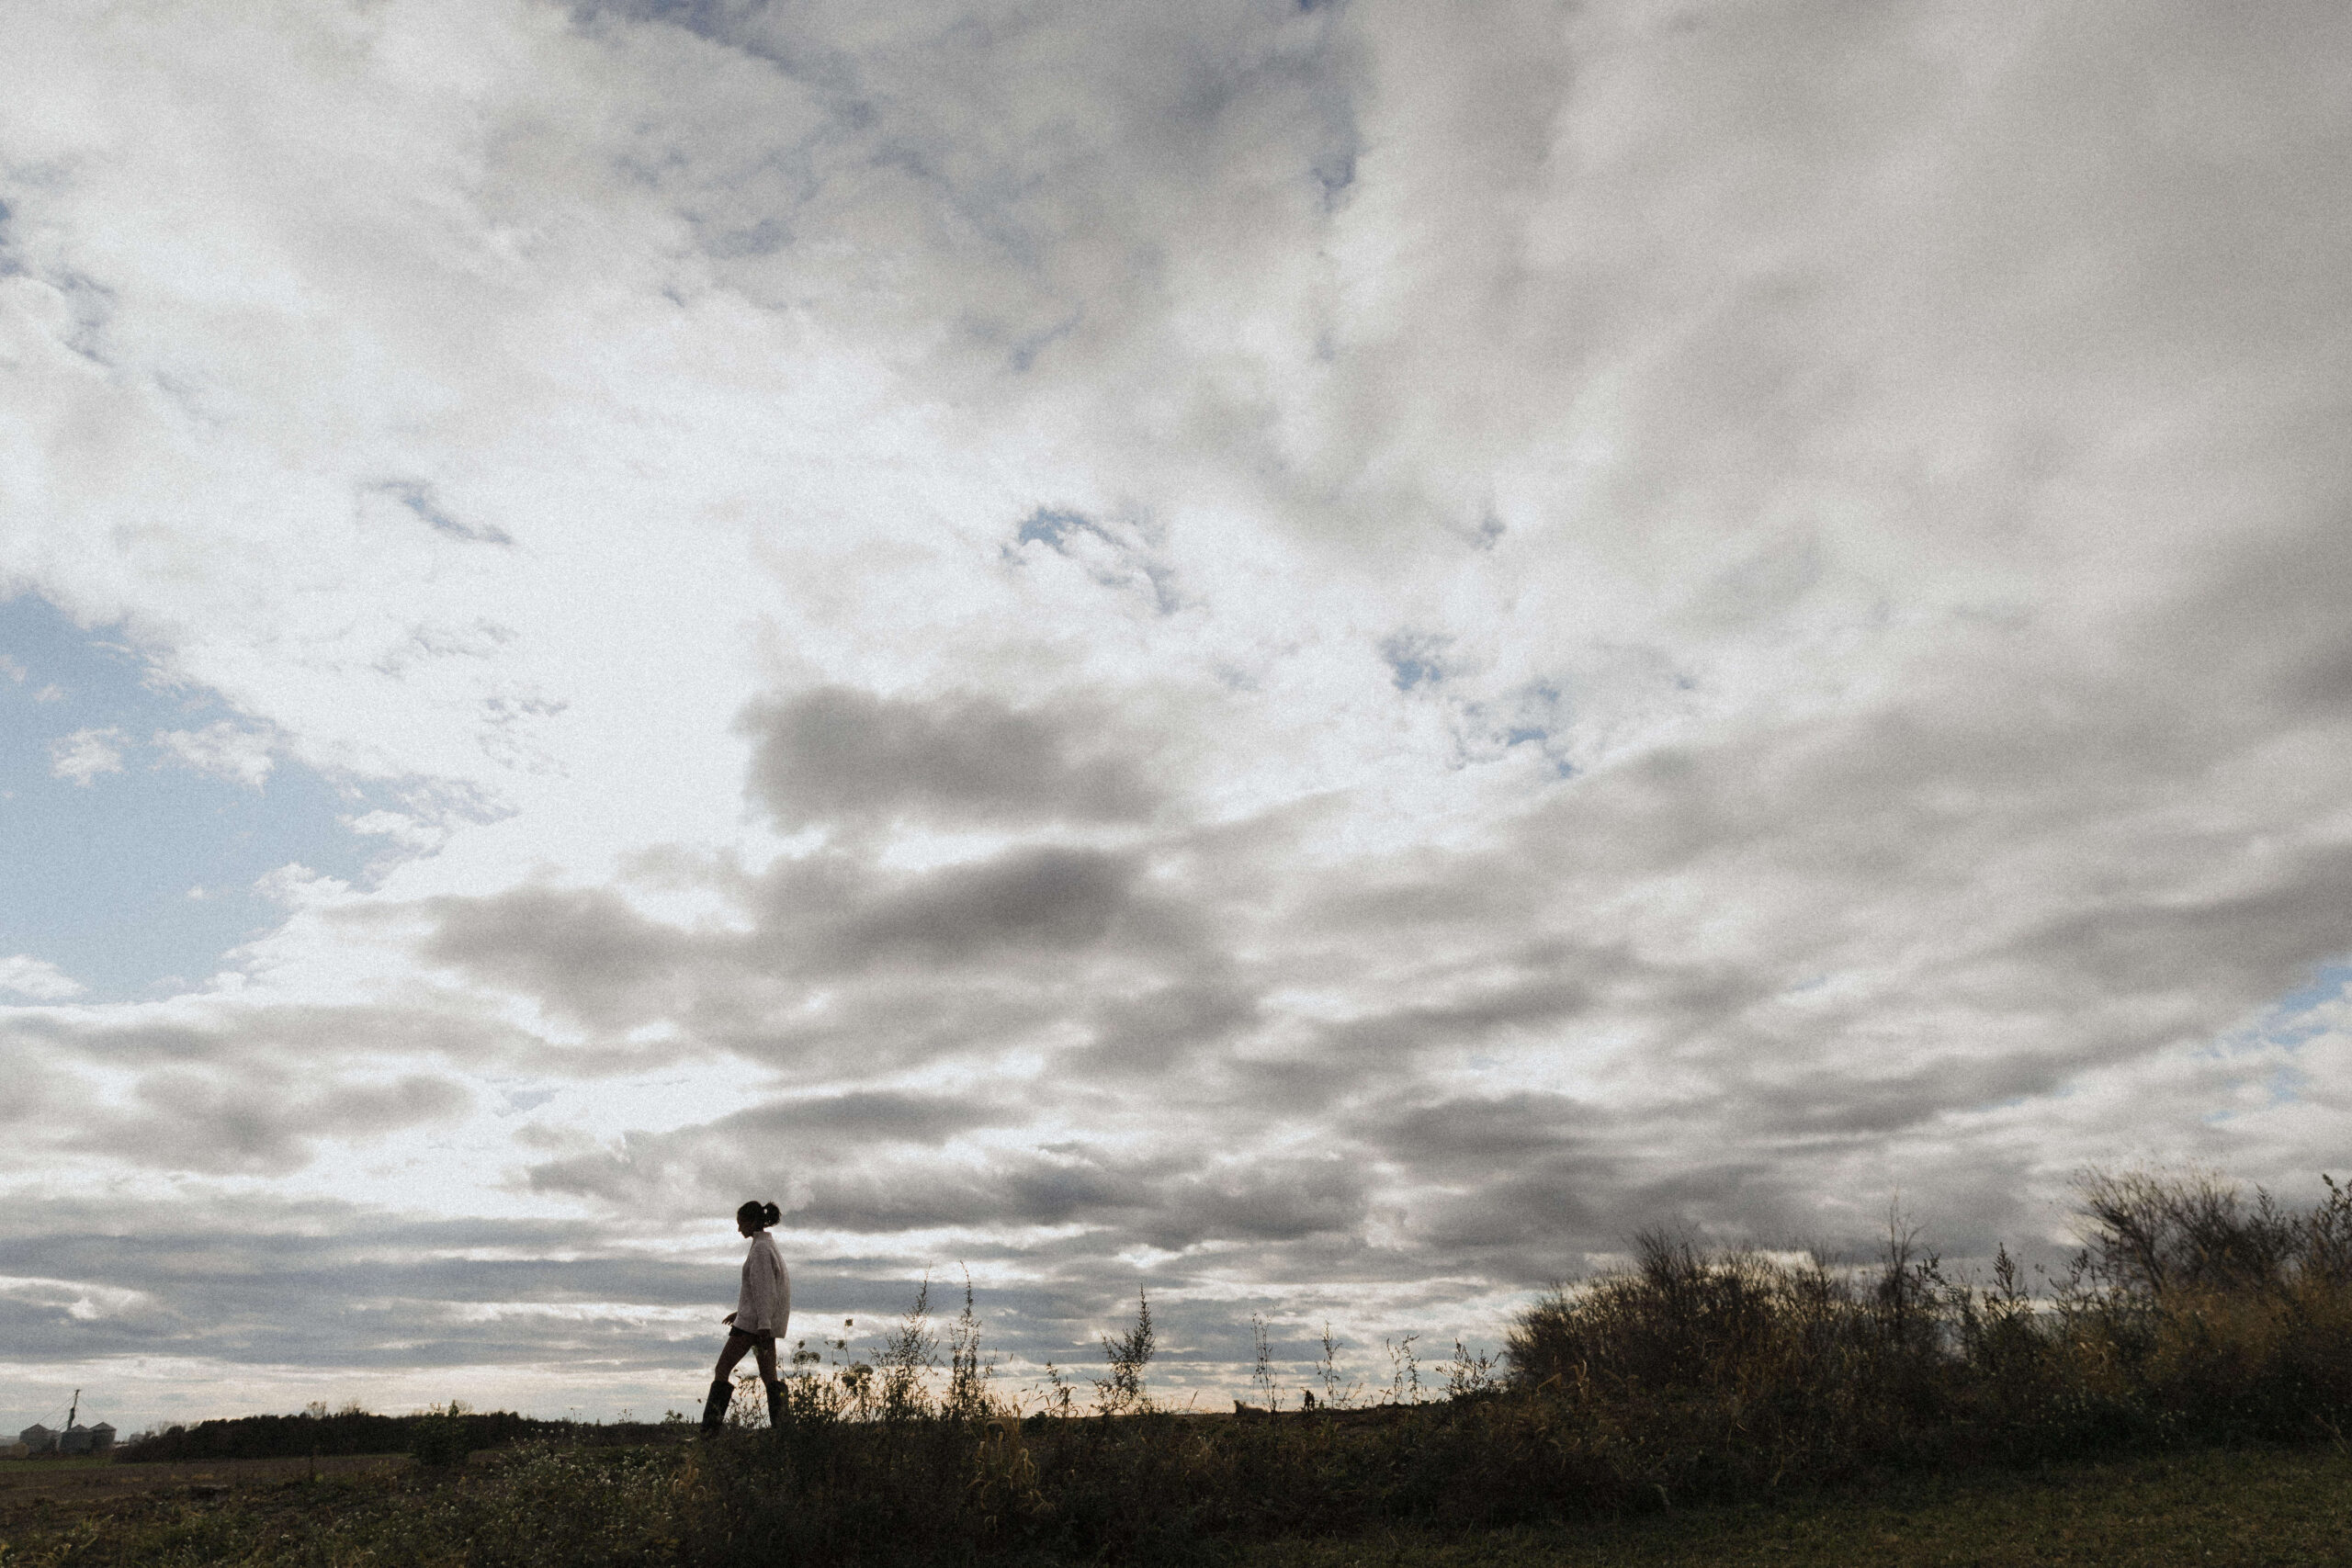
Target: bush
(354,1431)
(442,1437)
(2190,1313)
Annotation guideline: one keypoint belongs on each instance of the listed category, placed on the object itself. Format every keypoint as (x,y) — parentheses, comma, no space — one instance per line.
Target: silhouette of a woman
(761,1310)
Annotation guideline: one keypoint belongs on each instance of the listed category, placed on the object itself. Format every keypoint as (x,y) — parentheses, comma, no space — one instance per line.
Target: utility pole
(73,1410)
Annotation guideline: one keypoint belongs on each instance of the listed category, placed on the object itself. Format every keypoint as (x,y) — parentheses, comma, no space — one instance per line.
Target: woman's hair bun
(773,1213)
(758,1214)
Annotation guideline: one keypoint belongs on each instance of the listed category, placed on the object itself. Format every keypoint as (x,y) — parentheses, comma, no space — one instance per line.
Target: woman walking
(762,1309)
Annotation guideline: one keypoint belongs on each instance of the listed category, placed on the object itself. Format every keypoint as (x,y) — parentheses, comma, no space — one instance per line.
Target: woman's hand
(728,1318)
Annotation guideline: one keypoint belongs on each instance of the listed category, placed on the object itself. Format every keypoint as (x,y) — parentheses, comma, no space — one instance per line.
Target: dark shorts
(756,1335)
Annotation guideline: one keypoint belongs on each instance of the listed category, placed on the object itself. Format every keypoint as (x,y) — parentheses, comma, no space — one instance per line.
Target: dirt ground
(73,1481)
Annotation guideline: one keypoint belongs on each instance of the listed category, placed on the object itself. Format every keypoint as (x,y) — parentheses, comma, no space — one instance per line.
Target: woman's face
(744,1227)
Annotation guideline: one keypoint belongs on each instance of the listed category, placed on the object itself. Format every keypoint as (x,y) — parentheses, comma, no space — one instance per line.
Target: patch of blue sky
(1535,717)
(2327,985)
(1415,659)
(1120,557)
(2302,1014)
(2286,1085)
(128,862)
(1048,526)
(2282,1084)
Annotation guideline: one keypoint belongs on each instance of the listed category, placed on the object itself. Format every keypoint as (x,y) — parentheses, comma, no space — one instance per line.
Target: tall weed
(1691,1374)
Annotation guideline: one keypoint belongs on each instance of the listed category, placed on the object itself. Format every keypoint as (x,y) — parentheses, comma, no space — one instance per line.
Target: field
(75,1483)
(2232,1508)
(2180,1394)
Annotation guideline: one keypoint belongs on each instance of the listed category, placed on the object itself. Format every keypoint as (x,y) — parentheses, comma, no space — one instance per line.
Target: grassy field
(70,1481)
(538,1506)
(2232,1508)
(2176,1395)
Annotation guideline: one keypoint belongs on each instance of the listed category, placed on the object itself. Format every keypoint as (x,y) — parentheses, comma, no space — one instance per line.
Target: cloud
(1699,909)
(417,498)
(1320,655)
(37,978)
(1115,554)
(590,955)
(588,951)
(407,832)
(244,1122)
(1026,902)
(766,1147)
(839,754)
(843,1177)
(223,749)
(84,754)
(245,1281)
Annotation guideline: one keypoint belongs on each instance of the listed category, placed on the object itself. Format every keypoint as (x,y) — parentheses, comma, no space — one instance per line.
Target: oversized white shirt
(766,1303)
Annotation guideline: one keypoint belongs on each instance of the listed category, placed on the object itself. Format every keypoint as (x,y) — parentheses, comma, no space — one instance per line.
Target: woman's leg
(765,1350)
(722,1392)
(738,1343)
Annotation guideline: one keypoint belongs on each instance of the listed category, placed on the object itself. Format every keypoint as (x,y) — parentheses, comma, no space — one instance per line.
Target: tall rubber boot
(713,1409)
(775,1406)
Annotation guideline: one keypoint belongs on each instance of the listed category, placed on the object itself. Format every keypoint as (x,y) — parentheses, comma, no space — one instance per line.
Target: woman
(761,1310)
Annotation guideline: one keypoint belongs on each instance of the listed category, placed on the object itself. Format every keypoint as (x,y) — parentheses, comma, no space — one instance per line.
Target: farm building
(95,1440)
(75,1440)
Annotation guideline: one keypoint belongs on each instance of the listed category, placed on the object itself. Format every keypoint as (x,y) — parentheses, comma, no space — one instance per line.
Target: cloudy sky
(1314,657)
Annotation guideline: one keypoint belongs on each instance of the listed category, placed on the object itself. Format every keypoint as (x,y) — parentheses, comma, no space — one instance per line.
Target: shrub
(1121,1391)
(441,1438)
(2192,1313)
(348,1431)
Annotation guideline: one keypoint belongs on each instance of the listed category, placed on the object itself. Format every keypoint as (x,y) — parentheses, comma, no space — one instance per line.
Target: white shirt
(766,1303)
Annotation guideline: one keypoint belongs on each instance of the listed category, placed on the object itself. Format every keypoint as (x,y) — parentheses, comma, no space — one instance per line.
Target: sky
(1315,659)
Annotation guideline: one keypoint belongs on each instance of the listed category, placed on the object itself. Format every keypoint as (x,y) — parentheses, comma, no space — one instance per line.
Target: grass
(2228,1508)
(536,1508)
